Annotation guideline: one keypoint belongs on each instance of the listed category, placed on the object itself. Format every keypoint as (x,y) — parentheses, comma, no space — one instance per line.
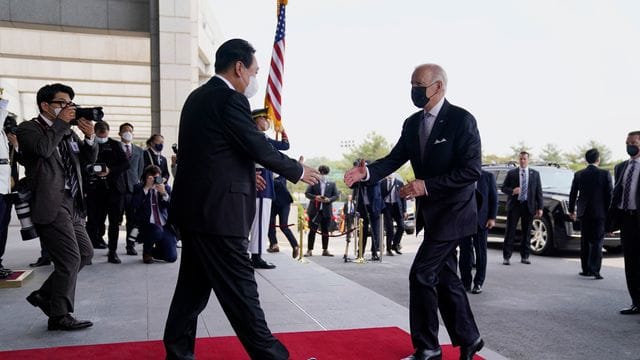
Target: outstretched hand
(357,173)
(310,176)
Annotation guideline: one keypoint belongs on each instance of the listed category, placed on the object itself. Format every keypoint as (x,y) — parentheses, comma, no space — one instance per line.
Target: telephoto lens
(23,210)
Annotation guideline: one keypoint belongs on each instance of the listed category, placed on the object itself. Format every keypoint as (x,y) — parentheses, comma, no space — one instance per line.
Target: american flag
(273,97)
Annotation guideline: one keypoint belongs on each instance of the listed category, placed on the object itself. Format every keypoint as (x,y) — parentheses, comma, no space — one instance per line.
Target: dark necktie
(155,208)
(70,175)
(128,150)
(524,187)
(627,185)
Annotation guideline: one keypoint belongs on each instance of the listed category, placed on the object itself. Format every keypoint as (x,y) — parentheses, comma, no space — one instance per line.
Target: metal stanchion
(381,242)
(301,258)
(360,259)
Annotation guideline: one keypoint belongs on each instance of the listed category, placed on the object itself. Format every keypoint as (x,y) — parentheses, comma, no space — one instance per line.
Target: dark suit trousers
(218,263)
(69,247)
(349,220)
(592,238)
(393,214)
(324,228)
(630,236)
(372,219)
(5,218)
(159,242)
(479,244)
(282,212)
(129,212)
(433,283)
(520,212)
(101,203)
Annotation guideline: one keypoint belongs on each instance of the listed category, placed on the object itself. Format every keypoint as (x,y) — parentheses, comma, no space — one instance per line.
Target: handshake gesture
(413,189)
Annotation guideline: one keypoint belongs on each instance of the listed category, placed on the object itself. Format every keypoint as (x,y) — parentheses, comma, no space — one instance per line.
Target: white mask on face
(101,140)
(127,136)
(252,88)
(57,111)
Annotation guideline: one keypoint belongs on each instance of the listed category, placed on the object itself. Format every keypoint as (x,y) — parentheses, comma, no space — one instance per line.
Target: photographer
(151,201)
(8,144)
(51,153)
(153,155)
(106,186)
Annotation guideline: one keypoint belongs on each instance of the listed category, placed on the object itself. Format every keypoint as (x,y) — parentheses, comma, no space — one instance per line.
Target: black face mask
(632,150)
(419,96)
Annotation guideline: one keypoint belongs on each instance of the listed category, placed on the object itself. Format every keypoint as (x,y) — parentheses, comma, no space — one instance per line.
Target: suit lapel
(438,126)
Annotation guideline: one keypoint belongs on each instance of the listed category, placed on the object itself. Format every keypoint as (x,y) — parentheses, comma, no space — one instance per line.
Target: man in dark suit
(487,199)
(443,144)
(280,207)
(395,210)
(219,148)
(524,189)
(153,155)
(105,191)
(369,206)
(320,210)
(52,154)
(592,189)
(131,177)
(624,214)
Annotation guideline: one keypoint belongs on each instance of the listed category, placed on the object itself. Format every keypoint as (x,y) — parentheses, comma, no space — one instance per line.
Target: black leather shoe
(36,299)
(67,323)
(261,264)
(396,248)
(467,352)
(131,251)
(100,245)
(477,289)
(389,253)
(113,258)
(375,257)
(632,310)
(585,273)
(597,276)
(42,261)
(525,261)
(506,262)
(425,354)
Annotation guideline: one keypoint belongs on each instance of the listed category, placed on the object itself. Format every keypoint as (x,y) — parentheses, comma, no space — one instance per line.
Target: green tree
(373,147)
(496,159)
(518,148)
(552,153)
(576,160)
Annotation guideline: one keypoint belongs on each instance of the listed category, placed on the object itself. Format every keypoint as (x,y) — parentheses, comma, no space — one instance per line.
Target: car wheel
(541,236)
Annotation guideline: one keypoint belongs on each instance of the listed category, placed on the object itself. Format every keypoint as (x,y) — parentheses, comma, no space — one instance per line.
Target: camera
(95,169)
(10,125)
(133,235)
(158,179)
(20,200)
(93,113)
(174,147)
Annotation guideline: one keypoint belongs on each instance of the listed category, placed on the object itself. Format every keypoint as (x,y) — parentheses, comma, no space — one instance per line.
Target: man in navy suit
(523,186)
(625,215)
(592,189)
(219,148)
(320,210)
(443,144)
(395,210)
(487,195)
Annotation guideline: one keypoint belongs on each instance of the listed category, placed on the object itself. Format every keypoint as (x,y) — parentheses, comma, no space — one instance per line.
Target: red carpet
(389,343)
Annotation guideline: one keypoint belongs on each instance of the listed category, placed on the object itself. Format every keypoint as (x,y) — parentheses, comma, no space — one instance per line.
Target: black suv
(554,230)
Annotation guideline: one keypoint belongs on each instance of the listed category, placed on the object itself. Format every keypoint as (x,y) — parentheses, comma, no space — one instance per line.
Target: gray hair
(436,71)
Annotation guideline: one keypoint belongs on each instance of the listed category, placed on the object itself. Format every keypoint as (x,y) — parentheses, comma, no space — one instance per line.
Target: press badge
(74,146)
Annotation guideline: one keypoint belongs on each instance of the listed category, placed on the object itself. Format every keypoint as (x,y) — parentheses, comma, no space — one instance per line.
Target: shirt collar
(225,81)
(436,109)
(46,119)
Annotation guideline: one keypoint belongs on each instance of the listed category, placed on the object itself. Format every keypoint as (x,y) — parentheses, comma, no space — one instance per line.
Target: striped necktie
(70,175)
(627,185)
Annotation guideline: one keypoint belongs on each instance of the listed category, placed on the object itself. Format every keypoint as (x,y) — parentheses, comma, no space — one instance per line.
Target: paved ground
(130,301)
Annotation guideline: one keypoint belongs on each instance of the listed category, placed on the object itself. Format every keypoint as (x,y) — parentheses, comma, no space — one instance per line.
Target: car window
(501,174)
(554,178)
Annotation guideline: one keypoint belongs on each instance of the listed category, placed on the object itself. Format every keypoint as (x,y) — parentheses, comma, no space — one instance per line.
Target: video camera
(93,113)
(95,169)
(10,125)
(174,147)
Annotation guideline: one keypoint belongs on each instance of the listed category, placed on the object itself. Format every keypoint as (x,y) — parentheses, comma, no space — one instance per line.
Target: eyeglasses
(62,103)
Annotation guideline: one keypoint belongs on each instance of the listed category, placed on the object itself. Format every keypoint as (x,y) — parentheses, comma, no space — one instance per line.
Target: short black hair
(101,126)
(524,153)
(48,92)
(152,170)
(123,125)
(324,169)
(232,51)
(592,155)
(152,138)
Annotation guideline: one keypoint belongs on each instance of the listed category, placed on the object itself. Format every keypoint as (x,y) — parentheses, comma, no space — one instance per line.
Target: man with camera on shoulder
(52,153)
(106,188)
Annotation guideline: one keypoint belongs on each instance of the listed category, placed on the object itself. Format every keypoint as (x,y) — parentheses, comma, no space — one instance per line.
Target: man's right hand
(311,175)
(357,173)
(67,114)
(261,183)
(516,191)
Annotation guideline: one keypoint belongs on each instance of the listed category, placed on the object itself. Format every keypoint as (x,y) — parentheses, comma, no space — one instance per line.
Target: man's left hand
(86,127)
(413,189)
(538,213)
(491,223)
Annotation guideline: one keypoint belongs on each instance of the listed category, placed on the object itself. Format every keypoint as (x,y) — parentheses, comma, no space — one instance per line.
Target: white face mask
(101,140)
(252,88)
(57,111)
(127,136)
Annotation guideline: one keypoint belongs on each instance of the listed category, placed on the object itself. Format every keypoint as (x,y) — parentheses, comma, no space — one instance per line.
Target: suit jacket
(141,203)
(591,187)
(282,195)
(136,167)
(44,168)
(330,191)
(487,195)
(214,190)
(534,189)
(150,158)
(613,220)
(395,187)
(112,154)
(449,164)
(373,192)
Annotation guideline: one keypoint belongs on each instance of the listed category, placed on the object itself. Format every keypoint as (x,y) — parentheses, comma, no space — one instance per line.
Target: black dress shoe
(42,261)
(597,276)
(67,322)
(467,352)
(100,245)
(525,261)
(585,273)
(375,257)
(131,251)
(632,310)
(506,262)
(477,289)
(261,264)
(389,253)
(425,354)
(113,258)
(36,299)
